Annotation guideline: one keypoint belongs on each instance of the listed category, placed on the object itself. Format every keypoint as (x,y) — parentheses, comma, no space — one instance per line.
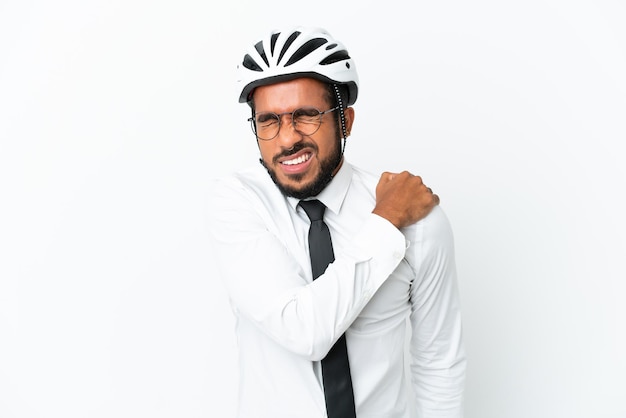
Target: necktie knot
(314,209)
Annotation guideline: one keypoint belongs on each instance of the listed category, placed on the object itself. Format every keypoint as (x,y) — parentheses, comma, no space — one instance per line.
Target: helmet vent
(335,57)
(288,43)
(306,49)
(259,48)
(251,64)
(273,43)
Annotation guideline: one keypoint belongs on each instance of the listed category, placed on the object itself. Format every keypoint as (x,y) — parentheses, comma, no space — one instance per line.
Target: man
(332,342)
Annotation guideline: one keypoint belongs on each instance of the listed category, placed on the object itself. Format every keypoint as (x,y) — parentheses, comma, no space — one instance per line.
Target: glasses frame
(252,121)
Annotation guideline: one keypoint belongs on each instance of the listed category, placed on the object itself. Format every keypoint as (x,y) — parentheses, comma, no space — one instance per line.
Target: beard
(327,169)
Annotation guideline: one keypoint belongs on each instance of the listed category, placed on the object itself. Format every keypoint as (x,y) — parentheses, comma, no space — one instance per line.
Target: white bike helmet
(295,53)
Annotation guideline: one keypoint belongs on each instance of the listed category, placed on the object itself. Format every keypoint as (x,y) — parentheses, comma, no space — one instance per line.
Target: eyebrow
(265,116)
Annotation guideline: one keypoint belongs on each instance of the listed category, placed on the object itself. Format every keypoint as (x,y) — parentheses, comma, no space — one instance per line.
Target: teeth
(298,160)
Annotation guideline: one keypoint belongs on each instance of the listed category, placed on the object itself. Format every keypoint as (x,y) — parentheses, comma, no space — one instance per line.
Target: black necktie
(335,366)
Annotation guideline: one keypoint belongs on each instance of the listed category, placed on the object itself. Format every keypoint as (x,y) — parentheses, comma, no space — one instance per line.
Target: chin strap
(343,118)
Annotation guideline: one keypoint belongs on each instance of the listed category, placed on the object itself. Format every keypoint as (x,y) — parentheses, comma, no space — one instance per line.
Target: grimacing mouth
(298,160)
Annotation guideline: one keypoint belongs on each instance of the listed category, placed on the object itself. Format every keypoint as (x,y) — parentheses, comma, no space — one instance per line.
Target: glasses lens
(307,120)
(267,125)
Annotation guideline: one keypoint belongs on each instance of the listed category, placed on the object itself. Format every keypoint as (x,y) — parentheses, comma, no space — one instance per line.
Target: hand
(403,198)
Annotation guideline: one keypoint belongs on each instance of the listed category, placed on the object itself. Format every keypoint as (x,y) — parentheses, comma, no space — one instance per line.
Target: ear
(349,119)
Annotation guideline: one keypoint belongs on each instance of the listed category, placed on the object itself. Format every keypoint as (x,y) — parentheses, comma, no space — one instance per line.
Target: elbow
(298,330)
(311,347)
(307,343)
(319,351)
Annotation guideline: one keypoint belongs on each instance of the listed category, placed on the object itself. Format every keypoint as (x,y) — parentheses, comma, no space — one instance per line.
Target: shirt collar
(335,192)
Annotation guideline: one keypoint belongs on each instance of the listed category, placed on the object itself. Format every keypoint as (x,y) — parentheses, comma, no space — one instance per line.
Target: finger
(386,176)
(391,176)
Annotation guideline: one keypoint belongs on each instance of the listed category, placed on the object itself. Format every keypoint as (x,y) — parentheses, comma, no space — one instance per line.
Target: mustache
(299,146)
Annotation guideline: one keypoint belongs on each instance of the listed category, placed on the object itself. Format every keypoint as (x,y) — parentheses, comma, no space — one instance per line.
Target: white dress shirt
(286,322)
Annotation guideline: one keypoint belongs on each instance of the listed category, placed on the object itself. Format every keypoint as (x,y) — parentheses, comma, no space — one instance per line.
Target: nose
(287,134)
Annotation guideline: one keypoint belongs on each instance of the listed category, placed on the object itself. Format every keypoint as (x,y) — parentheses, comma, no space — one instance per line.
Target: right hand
(403,198)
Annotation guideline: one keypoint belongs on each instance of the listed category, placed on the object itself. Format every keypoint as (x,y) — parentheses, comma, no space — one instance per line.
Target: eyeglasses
(306,121)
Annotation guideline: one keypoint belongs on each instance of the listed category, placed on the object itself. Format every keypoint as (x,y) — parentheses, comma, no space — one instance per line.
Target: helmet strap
(342,118)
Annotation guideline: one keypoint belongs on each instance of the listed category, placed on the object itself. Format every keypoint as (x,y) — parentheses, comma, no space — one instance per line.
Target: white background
(113,115)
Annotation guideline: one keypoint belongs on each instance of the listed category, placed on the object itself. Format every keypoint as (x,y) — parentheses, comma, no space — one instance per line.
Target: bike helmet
(299,52)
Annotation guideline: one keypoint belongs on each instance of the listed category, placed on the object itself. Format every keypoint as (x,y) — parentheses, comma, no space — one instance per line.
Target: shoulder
(252,178)
(430,251)
(364,177)
(248,191)
(252,183)
(433,233)
(437,222)
(246,205)
(362,185)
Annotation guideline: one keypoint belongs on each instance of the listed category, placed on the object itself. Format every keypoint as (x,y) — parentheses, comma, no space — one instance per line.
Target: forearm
(272,287)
